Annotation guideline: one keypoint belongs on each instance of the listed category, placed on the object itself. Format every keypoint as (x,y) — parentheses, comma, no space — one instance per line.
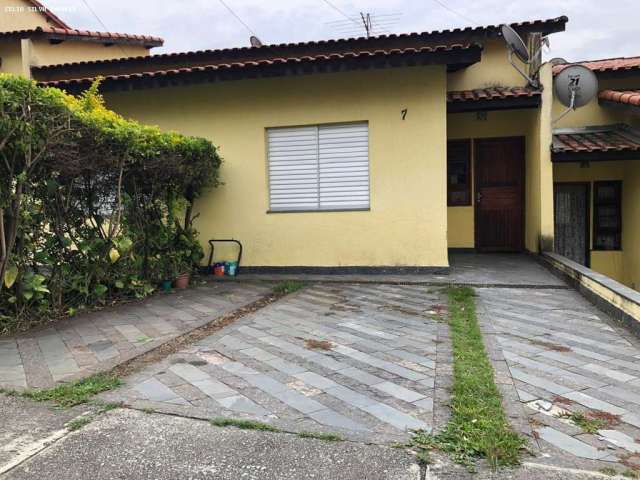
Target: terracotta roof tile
(491,93)
(70,33)
(617,137)
(627,97)
(419,39)
(604,65)
(273,61)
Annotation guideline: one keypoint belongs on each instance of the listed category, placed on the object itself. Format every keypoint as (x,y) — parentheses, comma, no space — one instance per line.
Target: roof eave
(456,57)
(594,156)
(100,37)
(495,104)
(634,109)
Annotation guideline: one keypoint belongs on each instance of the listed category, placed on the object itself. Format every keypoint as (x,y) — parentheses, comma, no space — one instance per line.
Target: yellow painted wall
(631,224)
(493,70)
(11,56)
(19,15)
(44,53)
(407,222)
(541,226)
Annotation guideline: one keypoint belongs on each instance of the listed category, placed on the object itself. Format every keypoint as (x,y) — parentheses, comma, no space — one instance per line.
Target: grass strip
(478,427)
(75,393)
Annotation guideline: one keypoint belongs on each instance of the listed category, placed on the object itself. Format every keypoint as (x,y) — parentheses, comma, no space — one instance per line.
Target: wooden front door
(571,217)
(499,167)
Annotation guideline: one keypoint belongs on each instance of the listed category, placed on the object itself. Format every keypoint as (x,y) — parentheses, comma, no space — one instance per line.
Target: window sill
(324,210)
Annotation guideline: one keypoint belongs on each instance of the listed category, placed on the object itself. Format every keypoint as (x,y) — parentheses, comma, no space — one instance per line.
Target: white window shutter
(293,168)
(344,166)
(322,167)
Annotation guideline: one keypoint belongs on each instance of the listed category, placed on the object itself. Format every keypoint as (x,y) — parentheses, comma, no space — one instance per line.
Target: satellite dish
(515,43)
(574,87)
(255,41)
(517,47)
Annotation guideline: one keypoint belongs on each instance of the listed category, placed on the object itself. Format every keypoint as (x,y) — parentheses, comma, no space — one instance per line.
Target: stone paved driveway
(100,340)
(555,355)
(367,362)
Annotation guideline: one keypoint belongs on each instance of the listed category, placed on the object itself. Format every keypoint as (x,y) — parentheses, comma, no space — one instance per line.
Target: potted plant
(182,269)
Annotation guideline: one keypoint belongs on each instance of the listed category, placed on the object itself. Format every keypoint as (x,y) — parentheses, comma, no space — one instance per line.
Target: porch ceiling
(493,98)
(596,143)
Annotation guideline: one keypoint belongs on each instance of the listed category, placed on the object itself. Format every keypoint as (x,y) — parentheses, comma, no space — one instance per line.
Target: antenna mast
(366,21)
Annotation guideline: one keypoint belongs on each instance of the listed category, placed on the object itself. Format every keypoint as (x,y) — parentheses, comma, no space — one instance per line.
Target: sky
(596,28)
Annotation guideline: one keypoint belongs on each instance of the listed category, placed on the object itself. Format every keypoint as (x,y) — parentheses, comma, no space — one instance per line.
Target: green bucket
(231,269)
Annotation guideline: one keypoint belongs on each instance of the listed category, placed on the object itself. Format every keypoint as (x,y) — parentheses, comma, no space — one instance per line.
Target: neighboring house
(597,176)
(359,153)
(31,35)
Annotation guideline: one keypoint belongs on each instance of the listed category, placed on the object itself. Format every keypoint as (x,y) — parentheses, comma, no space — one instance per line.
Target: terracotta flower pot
(182,281)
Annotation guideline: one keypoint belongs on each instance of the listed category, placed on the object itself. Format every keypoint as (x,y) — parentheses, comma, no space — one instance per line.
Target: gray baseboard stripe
(356,270)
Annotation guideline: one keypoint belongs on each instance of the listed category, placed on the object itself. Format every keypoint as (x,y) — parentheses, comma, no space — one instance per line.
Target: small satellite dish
(515,43)
(255,41)
(558,61)
(574,87)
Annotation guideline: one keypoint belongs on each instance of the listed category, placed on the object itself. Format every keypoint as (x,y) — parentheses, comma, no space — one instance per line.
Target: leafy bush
(93,207)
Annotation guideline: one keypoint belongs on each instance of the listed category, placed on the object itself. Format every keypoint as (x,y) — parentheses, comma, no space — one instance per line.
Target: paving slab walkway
(555,354)
(98,341)
(370,362)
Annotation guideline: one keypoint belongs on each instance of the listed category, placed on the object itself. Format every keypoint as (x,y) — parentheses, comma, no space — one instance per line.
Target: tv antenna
(372,24)
(574,87)
(255,41)
(517,47)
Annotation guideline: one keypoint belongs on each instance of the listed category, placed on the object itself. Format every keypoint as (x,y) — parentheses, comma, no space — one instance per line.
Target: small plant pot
(166,285)
(182,281)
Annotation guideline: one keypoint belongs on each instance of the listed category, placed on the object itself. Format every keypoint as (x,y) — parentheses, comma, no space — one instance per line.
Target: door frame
(477,142)
(587,233)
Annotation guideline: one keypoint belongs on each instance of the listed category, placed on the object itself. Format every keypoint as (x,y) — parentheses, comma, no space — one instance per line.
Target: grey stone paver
(573,446)
(563,355)
(156,391)
(375,382)
(97,341)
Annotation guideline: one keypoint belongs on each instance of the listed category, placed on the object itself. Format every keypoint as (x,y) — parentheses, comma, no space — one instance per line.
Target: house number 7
(404,113)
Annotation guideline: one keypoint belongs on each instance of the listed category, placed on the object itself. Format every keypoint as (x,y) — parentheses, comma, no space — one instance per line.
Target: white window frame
(358,181)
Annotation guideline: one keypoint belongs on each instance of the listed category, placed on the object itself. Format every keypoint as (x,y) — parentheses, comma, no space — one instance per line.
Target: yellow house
(385,152)
(336,151)
(31,36)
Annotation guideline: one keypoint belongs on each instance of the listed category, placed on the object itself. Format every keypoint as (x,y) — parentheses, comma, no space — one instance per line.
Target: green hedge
(93,207)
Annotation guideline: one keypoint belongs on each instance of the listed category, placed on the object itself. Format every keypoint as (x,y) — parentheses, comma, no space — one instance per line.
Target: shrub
(93,207)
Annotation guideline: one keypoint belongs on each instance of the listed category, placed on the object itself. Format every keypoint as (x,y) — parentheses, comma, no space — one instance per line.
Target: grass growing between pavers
(288,286)
(587,423)
(327,437)
(75,393)
(478,427)
(243,424)
(265,427)
(78,423)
